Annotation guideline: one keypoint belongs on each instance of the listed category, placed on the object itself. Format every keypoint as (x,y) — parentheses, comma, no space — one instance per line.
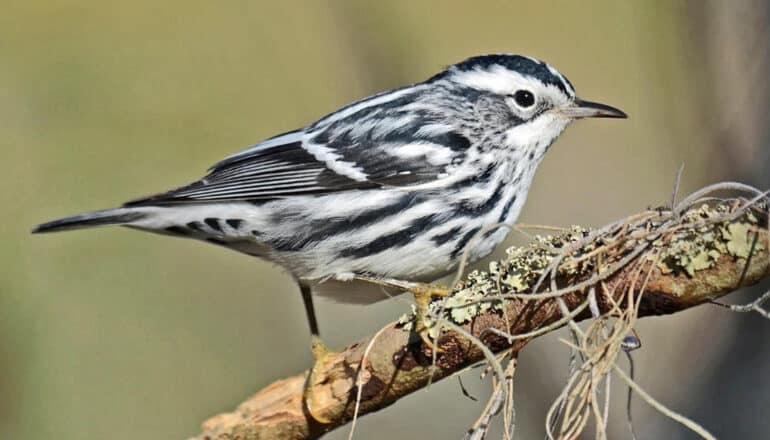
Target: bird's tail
(108,217)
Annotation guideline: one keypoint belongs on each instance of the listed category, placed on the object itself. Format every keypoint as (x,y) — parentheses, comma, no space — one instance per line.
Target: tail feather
(118,216)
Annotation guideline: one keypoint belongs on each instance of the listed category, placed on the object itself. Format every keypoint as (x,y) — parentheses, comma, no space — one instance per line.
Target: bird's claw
(424,332)
(424,294)
(321,355)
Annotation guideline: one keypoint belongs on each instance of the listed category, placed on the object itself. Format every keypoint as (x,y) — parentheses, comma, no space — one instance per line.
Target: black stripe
(367,99)
(274,152)
(507,208)
(394,240)
(260,201)
(440,239)
(454,141)
(213,223)
(321,229)
(368,217)
(469,94)
(482,177)
(516,63)
(196,226)
(98,218)
(216,241)
(410,132)
(230,179)
(234,223)
(177,230)
(467,207)
(460,246)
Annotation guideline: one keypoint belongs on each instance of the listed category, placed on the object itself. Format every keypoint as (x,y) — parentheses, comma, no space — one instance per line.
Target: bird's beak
(586,109)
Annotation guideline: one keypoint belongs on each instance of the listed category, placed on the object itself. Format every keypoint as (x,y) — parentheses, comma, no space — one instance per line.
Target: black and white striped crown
(524,65)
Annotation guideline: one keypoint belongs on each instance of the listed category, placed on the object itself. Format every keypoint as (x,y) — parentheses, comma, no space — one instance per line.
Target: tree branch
(687,256)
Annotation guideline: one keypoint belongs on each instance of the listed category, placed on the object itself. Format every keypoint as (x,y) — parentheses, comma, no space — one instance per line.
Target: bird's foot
(321,355)
(424,294)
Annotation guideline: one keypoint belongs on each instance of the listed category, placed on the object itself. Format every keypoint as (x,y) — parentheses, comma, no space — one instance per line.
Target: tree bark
(399,362)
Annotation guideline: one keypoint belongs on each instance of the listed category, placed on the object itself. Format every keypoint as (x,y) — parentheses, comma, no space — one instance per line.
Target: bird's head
(541,100)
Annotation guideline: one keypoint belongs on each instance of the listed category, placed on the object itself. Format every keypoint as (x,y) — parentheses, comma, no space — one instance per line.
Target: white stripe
(287,138)
(261,183)
(247,184)
(267,171)
(434,129)
(246,177)
(257,164)
(561,78)
(321,152)
(237,174)
(366,103)
(435,154)
(275,185)
(262,193)
(502,81)
(332,160)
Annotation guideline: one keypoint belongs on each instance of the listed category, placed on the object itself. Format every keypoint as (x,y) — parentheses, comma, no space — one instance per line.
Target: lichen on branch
(659,261)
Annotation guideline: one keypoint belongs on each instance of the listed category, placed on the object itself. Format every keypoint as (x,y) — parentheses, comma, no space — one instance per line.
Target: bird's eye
(524,98)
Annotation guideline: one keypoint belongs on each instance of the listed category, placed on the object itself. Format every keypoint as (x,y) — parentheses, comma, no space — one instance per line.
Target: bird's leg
(424,294)
(321,354)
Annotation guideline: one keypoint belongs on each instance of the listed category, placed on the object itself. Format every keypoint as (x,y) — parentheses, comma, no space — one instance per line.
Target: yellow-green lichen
(518,273)
(738,239)
(699,246)
(687,244)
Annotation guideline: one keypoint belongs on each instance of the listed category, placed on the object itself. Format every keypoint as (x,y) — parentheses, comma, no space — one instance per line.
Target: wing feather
(372,144)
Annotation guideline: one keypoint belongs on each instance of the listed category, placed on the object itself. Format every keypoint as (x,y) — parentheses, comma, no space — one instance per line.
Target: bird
(394,186)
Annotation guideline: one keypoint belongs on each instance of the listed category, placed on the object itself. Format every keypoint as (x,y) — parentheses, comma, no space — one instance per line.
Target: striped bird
(394,186)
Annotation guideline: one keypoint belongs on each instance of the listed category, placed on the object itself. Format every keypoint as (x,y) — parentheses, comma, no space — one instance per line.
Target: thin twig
(359,383)
(754,306)
(630,395)
(677,181)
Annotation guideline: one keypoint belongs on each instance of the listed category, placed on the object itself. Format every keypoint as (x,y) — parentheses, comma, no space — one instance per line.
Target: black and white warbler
(392,186)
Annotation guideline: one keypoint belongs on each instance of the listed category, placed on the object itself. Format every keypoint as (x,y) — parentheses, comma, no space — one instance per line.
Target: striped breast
(396,233)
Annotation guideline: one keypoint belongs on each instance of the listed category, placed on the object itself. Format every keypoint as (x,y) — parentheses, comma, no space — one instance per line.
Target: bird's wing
(339,155)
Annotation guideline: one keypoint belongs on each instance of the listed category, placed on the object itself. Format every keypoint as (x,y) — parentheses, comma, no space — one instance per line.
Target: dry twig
(655,262)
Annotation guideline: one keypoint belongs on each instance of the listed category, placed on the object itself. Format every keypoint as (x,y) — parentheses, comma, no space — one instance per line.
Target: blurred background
(117,334)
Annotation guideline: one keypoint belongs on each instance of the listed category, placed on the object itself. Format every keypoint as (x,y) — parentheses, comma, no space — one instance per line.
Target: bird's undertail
(108,217)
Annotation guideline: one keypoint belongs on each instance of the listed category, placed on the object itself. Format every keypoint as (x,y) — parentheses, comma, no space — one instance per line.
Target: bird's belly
(397,234)
(419,239)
